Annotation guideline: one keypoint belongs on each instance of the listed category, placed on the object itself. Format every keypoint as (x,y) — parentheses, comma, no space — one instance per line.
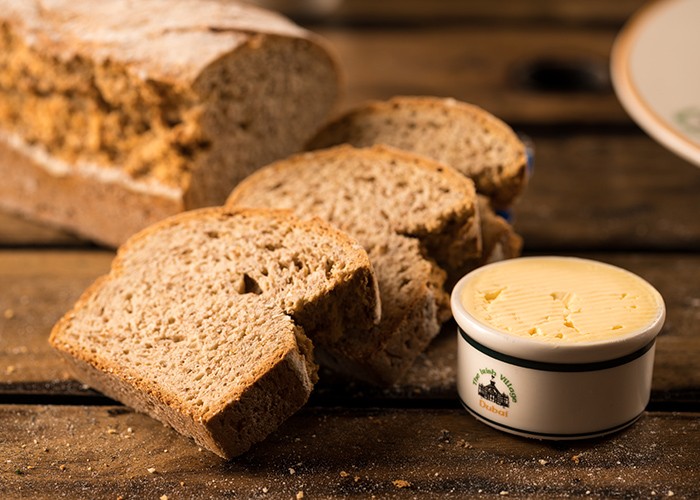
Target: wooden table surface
(602,189)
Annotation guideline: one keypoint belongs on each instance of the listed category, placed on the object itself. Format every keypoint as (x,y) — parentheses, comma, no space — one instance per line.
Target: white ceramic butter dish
(555,347)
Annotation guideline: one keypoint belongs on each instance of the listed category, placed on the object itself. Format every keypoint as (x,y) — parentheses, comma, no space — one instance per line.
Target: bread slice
(461,135)
(499,239)
(144,111)
(415,217)
(203,321)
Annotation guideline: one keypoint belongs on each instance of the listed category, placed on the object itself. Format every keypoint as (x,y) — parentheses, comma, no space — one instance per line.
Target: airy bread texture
(461,135)
(415,217)
(203,321)
(149,107)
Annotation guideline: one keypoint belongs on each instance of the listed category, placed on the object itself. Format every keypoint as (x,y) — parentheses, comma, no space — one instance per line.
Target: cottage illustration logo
(491,398)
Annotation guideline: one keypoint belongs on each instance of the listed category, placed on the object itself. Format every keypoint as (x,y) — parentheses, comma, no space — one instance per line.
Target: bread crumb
(343,474)
(576,458)
(503,493)
(444,436)
(291,471)
(129,430)
(670,493)
(464,444)
(182,483)
(164,497)
(151,470)
(111,431)
(30,467)
(543,461)
(62,467)
(401,483)
(356,478)
(10,369)
(8,313)
(300,495)
(265,489)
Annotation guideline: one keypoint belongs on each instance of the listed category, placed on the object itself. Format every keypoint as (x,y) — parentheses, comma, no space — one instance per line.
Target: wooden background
(601,189)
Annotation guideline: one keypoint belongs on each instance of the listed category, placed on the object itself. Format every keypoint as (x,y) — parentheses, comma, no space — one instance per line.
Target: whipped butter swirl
(559,299)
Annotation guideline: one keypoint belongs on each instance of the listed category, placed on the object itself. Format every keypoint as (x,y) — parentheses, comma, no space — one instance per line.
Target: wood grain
(100,452)
(485,65)
(38,288)
(532,12)
(588,192)
(601,189)
(676,378)
(624,192)
(43,285)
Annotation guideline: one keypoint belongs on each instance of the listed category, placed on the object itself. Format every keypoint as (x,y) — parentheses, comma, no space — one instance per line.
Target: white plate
(655,67)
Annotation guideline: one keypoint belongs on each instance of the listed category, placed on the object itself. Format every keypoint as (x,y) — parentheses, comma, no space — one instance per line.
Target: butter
(558,299)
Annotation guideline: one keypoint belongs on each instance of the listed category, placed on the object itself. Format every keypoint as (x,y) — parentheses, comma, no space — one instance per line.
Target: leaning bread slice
(203,320)
(461,135)
(415,217)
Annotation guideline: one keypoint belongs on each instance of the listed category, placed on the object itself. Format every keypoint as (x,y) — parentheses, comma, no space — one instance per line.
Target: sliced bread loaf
(116,114)
(415,217)
(461,135)
(203,321)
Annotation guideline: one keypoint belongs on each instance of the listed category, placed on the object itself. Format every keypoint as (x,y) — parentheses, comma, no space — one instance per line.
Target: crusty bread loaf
(203,321)
(416,218)
(461,135)
(114,114)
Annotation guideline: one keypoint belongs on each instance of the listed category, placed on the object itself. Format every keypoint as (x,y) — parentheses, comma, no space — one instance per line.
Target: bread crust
(503,185)
(107,212)
(451,241)
(278,386)
(161,40)
(447,238)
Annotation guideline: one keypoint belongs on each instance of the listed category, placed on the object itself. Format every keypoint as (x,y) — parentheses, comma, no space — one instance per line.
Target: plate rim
(629,95)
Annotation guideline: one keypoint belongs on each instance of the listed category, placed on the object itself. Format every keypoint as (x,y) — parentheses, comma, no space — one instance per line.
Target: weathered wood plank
(676,370)
(40,286)
(496,68)
(603,193)
(17,231)
(106,452)
(537,11)
(589,192)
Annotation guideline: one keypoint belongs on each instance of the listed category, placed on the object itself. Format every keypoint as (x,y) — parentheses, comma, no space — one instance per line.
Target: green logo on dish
(490,391)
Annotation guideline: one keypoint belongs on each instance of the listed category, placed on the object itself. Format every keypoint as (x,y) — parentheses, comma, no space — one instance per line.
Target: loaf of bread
(461,135)
(115,114)
(204,320)
(417,219)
